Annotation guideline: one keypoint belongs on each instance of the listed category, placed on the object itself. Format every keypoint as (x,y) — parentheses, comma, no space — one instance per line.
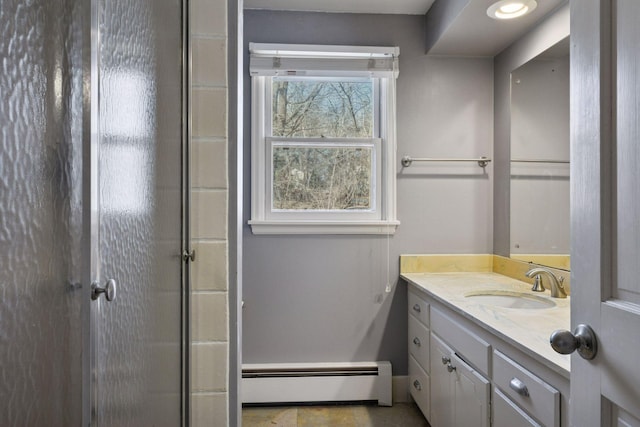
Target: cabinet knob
(417,342)
(519,387)
(416,308)
(450,368)
(445,360)
(417,385)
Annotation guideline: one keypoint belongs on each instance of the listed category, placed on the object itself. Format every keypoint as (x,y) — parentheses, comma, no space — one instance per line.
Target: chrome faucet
(557,286)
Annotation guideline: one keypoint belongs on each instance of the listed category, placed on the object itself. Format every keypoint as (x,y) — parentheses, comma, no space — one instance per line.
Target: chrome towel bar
(538,161)
(407,160)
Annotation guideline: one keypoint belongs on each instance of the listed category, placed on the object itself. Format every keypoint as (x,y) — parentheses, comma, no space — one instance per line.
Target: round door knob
(109,290)
(582,339)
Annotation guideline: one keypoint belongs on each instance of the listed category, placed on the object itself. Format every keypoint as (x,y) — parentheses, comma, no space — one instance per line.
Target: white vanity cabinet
(464,374)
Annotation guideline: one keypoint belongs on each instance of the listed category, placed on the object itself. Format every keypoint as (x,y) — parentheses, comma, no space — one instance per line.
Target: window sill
(323,227)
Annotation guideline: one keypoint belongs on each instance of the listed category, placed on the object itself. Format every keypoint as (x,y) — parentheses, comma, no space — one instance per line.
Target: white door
(605,197)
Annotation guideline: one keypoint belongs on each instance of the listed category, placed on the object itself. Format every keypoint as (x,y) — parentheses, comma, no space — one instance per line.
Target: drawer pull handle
(445,360)
(450,368)
(417,385)
(417,342)
(416,308)
(519,387)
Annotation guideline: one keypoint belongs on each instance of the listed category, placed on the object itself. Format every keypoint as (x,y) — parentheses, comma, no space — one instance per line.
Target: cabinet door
(441,384)
(471,395)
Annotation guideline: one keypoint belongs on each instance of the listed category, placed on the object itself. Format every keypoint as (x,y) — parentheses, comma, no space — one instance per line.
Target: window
(323,139)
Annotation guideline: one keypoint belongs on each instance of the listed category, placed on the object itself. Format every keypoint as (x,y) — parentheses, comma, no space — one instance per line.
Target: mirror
(540,159)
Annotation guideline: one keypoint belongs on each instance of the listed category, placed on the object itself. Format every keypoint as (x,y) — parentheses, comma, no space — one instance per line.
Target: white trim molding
(319,227)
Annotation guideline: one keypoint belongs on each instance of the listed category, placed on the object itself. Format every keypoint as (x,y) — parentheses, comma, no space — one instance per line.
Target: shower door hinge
(189,256)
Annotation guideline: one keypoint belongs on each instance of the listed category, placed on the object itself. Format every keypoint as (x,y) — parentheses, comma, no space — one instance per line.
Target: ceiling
(473,33)
(468,31)
(404,7)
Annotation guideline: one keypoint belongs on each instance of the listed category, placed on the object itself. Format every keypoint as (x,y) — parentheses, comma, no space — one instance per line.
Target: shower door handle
(109,290)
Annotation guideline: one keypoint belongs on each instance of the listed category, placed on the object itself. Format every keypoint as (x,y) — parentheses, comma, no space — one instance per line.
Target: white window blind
(319,60)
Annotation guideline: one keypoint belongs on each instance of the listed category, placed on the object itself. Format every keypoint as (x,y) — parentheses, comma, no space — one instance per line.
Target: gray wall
(322,298)
(548,33)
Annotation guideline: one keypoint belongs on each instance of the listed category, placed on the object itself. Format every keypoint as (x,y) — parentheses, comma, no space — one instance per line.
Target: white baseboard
(317,382)
(400,389)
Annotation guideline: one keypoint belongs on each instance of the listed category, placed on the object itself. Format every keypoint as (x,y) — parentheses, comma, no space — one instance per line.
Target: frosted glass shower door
(137,337)
(41,294)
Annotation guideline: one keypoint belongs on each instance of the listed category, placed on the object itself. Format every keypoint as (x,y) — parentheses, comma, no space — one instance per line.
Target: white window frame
(323,62)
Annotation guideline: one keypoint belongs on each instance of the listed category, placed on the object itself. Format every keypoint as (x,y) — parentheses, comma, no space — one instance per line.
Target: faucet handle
(561,289)
(537,284)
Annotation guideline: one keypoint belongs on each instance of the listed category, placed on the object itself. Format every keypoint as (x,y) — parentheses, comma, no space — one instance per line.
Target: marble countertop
(526,329)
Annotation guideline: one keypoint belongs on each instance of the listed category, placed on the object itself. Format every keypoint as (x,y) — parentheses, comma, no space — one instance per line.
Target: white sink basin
(510,299)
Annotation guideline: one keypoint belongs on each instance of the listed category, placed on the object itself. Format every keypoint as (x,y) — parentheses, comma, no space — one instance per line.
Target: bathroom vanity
(479,352)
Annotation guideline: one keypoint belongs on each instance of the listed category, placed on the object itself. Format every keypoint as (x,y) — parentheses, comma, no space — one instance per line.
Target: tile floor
(398,415)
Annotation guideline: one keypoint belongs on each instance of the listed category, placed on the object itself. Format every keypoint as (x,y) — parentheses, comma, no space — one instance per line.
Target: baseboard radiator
(313,382)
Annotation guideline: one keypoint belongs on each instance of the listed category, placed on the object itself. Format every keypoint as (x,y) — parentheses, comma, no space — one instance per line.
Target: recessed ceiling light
(509,9)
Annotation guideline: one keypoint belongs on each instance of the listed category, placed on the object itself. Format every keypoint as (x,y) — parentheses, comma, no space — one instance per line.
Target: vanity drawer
(470,347)
(508,414)
(419,342)
(419,308)
(419,387)
(528,391)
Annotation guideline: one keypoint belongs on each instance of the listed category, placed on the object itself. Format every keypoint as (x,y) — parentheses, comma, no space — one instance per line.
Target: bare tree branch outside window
(322,177)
